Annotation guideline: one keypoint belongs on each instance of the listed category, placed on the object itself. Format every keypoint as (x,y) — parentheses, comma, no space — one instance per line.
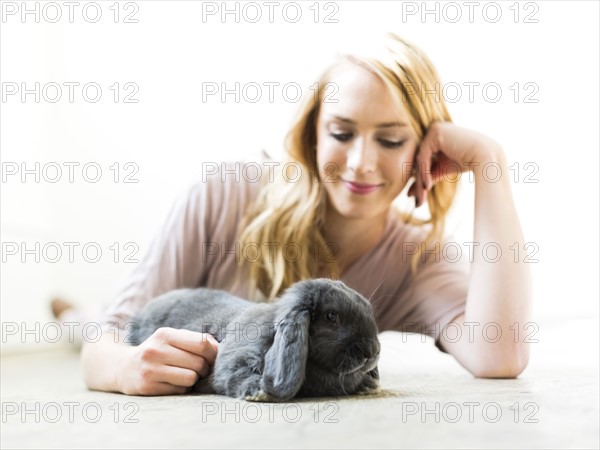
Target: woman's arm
(499,294)
(168,362)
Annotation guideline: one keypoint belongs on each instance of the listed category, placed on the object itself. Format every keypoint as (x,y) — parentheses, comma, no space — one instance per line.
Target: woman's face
(365,148)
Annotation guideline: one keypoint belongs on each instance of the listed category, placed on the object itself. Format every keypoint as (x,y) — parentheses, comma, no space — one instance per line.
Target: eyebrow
(381,125)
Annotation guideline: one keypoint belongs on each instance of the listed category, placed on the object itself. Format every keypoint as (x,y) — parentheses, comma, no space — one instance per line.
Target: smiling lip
(359,188)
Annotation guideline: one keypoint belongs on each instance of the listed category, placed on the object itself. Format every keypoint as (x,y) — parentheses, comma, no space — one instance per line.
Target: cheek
(330,161)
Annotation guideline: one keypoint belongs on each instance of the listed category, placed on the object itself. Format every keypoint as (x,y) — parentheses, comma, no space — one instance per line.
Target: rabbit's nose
(371,349)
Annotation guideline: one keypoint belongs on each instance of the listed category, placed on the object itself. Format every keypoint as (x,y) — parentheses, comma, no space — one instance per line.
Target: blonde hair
(293,212)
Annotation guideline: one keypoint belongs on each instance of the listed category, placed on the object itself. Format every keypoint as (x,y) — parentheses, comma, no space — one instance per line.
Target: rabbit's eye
(331,317)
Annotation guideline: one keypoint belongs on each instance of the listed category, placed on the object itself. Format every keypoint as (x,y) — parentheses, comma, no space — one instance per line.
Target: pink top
(197,247)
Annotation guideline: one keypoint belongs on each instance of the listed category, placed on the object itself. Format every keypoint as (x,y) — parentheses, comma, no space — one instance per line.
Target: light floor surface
(428,401)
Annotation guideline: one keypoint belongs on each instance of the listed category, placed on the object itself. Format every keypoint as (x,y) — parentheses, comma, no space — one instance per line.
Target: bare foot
(59,306)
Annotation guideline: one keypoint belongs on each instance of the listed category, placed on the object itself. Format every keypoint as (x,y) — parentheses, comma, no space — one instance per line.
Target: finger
(424,159)
(176,376)
(201,344)
(445,169)
(411,189)
(417,186)
(160,388)
(180,358)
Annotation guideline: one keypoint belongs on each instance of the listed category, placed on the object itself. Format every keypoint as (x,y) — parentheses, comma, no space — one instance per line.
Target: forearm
(101,362)
(500,285)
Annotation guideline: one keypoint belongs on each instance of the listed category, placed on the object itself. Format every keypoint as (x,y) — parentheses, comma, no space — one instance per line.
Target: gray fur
(276,351)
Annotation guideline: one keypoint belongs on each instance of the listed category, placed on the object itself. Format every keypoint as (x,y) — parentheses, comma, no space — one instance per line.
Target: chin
(355,207)
(363,211)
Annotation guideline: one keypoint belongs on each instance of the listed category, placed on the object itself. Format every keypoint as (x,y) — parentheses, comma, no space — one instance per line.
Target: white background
(169,132)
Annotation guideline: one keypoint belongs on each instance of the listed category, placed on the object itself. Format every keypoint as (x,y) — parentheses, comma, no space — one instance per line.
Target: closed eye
(391,144)
(342,137)
(345,137)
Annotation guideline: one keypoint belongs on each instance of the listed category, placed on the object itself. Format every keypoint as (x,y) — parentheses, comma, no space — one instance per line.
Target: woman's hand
(446,151)
(168,362)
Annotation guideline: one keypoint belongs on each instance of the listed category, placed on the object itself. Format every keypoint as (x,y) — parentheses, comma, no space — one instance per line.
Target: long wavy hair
(289,215)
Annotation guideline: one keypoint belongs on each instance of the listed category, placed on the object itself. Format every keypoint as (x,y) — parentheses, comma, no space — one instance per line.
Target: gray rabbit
(318,339)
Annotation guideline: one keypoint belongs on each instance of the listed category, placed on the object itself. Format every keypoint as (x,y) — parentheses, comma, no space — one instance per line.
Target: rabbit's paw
(370,384)
(370,391)
(259,396)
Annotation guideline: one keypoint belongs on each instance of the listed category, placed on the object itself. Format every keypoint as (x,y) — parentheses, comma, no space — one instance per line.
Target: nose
(370,348)
(371,353)
(362,157)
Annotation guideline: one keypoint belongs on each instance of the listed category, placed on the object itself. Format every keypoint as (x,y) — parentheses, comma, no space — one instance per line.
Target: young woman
(328,212)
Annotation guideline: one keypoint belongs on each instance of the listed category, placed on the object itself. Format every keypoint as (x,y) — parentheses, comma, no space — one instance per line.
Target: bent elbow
(506,373)
(504,369)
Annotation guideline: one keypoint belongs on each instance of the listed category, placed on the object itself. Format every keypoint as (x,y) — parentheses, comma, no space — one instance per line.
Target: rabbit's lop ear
(285,362)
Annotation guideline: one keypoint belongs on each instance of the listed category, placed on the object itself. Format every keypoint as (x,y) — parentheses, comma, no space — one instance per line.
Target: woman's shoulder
(234,179)
(222,191)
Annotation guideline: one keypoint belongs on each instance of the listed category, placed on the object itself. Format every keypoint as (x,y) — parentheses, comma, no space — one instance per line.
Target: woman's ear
(285,362)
